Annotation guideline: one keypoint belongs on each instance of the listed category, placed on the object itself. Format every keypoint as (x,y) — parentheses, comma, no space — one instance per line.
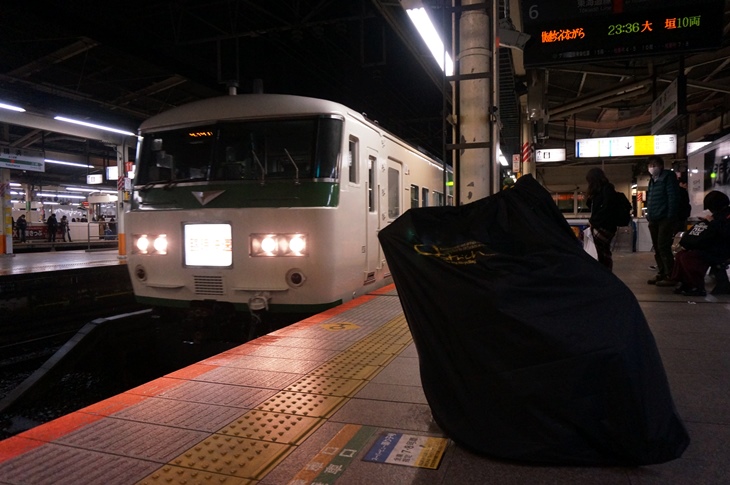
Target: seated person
(691,265)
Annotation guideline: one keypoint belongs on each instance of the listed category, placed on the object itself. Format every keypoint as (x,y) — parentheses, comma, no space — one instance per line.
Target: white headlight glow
(273,245)
(143,243)
(160,244)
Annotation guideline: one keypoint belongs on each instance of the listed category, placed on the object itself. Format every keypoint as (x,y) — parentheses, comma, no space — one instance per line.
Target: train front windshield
(306,148)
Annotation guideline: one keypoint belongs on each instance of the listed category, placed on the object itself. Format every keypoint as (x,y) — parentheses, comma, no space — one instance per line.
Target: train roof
(245,106)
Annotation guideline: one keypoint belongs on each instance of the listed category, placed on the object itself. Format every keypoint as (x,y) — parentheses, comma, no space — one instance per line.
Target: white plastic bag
(588,244)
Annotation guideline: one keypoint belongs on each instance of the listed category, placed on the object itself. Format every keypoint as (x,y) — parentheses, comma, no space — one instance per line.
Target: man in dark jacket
(661,212)
(52,224)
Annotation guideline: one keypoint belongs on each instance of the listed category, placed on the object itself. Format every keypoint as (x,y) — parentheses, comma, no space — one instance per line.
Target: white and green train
(268,201)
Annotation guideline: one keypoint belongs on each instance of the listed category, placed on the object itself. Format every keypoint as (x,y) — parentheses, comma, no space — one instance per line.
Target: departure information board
(564,31)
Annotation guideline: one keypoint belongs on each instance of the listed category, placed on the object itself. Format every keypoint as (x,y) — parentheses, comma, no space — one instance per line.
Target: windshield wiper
(296,169)
(263,172)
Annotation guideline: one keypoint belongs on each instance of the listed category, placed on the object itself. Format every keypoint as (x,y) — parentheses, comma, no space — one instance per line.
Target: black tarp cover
(529,349)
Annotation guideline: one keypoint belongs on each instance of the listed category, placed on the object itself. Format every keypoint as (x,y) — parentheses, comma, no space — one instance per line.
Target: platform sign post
(6,232)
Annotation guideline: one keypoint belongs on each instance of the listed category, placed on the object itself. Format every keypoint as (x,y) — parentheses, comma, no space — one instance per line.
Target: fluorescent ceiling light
(71,164)
(79,189)
(501,158)
(425,27)
(93,125)
(12,108)
(61,196)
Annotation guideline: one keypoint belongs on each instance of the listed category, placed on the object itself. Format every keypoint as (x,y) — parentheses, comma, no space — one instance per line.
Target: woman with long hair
(600,194)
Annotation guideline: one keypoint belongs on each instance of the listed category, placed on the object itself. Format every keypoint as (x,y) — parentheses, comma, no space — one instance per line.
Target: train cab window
(414,196)
(244,150)
(353,160)
(424,197)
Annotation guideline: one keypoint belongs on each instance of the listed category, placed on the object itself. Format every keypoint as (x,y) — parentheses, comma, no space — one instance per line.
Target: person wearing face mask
(662,202)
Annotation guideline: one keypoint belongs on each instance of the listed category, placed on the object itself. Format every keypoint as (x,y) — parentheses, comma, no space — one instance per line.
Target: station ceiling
(120,62)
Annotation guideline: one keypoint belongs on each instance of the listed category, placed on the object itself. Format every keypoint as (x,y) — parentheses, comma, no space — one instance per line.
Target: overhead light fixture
(12,108)
(430,36)
(502,159)
(70,164)
(80,189)
(94,125)
(61,196)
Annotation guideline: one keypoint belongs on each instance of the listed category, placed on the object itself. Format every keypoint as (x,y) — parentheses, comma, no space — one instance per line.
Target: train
(268,203)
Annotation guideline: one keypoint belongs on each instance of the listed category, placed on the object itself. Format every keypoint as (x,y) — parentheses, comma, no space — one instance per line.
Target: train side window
(371,183)
(438,198)
(414,196)
(353,160)
(424,197)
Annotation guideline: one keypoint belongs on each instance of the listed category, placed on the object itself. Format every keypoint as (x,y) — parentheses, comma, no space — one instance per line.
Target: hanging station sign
(626,146)
(563,31)
(22,159)
(550,155)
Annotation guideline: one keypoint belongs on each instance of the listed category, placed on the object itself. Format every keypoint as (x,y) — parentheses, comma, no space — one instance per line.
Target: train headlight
(160,244)
(142,243)
(150,244)
(271,245)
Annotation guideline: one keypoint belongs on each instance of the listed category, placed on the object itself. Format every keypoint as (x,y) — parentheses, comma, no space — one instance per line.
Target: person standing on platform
(600,195)
(662,204)
(21,224)
(65,231)
(52,225)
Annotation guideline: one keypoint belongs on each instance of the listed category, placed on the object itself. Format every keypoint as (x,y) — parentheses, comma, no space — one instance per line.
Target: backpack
(620,209)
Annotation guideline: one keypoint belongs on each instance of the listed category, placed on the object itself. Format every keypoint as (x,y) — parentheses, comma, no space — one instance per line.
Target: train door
(373,254)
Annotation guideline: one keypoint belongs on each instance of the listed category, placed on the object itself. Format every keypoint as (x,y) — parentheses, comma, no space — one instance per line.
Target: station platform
(337,398)
(46,261)
(36,287)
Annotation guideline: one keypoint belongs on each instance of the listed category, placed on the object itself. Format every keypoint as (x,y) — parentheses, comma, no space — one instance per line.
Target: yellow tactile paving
(327,386)
(275,427)
(254,443)
(175,475)
(346,370)
(302,404)
(366,358)
(377,347)
(237,457)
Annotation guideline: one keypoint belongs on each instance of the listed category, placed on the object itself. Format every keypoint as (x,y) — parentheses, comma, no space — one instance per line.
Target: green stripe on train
(247,194)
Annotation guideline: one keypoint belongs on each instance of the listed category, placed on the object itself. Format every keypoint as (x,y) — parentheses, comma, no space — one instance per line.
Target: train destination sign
(588,30)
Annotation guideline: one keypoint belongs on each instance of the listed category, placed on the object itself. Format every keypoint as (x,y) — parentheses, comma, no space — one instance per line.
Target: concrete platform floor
(138,435)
